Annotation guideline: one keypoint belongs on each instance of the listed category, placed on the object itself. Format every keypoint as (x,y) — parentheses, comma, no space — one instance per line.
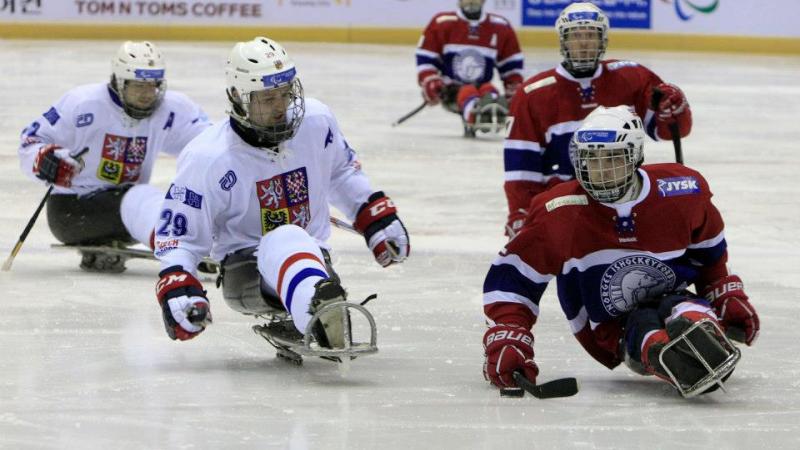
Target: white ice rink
(85,362)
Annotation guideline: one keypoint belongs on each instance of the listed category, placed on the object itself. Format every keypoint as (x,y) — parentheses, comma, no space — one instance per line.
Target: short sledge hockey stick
(410,114)
(29,226)
(561,387)
(673,127)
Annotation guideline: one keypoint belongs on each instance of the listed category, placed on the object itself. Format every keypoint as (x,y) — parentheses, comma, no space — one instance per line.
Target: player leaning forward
(254,192)
(124,124)
(624,242)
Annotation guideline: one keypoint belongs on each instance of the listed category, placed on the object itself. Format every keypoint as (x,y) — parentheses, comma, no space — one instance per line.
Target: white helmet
(583,16)
(263,65)
(138,61)
(606,151)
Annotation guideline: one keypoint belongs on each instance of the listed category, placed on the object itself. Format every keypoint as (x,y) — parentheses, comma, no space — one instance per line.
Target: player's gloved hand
(515,221)
(55,165)
(673,103)
(735,312)
(184,306)
(385,234)
(508,348)
(432,89)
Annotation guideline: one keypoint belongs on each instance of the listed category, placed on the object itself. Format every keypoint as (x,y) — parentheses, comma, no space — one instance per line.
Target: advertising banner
(621,13)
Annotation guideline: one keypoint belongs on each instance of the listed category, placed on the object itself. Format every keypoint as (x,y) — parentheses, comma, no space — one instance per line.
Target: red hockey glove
(515,221)
(184,305)
(673,103)
(508,348)
(385,234)
(55,165)
(432,89)
(736,314)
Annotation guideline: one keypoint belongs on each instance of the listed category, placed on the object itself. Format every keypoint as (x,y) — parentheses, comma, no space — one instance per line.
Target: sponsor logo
(596,136)
(566,200)
(620,64)
(121,159)
(671,187)
(278,79)
(84,120)
(328,138)
(469,65)
(148,74)
(284,199)
(227,181)
(185,195)
(162,247)
(686,9)
(631,280)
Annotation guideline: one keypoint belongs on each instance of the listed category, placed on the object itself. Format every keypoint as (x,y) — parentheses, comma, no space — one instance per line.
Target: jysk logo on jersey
(634,279)
(122,158)
(674,186)
(284,200)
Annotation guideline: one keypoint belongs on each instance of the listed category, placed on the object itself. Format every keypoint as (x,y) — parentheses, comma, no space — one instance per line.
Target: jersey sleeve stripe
(509,297)
(421,52)
(515,58)
(708,243)
(522,267)
(521,160)
(518,144)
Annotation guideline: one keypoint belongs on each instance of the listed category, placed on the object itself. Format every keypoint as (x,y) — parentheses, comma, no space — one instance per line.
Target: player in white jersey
(254,192)
(124,124)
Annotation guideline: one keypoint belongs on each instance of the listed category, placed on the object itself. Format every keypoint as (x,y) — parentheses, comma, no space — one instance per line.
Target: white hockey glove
(385,234)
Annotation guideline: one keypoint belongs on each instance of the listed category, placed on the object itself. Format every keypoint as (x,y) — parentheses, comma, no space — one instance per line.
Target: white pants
(291,263)
(140,208)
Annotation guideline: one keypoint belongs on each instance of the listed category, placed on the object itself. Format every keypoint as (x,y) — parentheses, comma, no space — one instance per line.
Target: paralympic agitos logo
(686,9)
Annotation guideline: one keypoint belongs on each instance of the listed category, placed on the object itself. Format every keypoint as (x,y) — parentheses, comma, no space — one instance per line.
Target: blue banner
(621,13)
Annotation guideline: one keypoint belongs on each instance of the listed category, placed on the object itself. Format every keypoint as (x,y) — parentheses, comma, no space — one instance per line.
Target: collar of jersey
(564,73)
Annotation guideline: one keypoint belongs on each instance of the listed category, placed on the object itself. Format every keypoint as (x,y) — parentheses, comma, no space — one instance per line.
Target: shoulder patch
(566,200)
(446,18)
(51,115)
(674,186)
(620,64)
(538,84)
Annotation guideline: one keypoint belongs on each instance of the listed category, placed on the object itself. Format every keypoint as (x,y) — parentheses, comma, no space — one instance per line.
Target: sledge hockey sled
(713,350)
(207,265)
(292,345)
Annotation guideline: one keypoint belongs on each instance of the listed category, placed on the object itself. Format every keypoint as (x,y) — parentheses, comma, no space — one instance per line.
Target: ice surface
(85,362)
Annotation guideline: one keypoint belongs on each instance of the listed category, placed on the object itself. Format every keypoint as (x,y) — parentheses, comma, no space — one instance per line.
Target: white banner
(773,18)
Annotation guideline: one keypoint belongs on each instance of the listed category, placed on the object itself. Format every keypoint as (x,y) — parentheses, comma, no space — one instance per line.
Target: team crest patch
(469,65)
(284,200)
(122,158)
(671,187)
(566,200)
(632,280)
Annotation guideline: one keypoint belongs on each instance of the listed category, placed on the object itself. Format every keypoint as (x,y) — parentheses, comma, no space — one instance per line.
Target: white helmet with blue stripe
(606,151)
(138,78)
(264,91)
(583,33)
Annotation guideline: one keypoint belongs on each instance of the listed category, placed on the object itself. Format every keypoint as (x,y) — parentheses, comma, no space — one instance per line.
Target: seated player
(456,60)
(624,241)
(254,192)
(123,124)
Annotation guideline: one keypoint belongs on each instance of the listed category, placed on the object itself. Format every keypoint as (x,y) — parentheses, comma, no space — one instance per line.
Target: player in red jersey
(456,59)
(624,242)
(550,106)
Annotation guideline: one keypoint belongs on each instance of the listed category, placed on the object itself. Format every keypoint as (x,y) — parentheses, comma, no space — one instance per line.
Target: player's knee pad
(242,285)
(140,210)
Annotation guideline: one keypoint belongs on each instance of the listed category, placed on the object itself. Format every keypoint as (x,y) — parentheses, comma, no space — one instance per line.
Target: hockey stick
(410,114)
(673,127)
(561,387)
(29,226)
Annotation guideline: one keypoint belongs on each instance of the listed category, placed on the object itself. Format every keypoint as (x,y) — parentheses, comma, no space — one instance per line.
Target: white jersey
(122,150)
(227,194)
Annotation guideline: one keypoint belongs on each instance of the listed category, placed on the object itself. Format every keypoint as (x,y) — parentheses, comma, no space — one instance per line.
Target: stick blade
(512,392)
(562,387)
(7,264)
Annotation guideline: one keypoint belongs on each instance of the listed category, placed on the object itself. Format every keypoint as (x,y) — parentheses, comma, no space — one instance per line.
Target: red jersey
(467,51)
(549,107)
(607,258)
